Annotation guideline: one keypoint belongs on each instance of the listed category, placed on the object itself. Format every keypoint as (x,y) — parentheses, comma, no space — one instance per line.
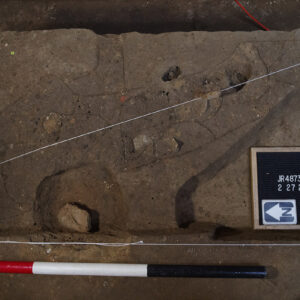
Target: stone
(52,123)
(141,141)
(73,218)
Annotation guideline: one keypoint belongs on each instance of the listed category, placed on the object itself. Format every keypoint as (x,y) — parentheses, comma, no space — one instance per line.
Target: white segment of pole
(90,269)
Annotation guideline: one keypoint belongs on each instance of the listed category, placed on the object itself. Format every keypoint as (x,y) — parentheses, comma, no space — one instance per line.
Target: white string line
(145,115)
(73,243)
(141,243)
(222,245)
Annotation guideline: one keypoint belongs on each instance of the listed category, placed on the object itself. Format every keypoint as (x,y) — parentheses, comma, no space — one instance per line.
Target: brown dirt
(180,176)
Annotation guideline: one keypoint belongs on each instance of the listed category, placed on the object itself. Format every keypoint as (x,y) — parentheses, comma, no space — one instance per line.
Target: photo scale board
(276,187)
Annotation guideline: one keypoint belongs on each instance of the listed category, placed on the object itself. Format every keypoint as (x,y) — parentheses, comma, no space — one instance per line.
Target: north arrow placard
(279,212)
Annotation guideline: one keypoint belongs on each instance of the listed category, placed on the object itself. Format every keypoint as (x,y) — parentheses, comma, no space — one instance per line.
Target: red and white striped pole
(131,270)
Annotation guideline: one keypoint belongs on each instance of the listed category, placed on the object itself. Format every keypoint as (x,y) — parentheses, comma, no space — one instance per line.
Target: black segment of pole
(206,271)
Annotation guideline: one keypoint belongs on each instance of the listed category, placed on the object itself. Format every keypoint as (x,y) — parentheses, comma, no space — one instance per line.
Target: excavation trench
(145,16)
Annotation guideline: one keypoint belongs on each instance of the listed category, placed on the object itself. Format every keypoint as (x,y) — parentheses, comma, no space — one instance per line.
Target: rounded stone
(74,218)
(52,123)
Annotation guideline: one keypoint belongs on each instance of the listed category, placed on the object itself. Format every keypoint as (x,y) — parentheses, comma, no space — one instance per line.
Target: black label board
(276,187)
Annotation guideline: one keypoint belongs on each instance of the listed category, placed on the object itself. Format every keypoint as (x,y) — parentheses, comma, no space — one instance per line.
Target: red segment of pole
(16,267)
(255,20)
